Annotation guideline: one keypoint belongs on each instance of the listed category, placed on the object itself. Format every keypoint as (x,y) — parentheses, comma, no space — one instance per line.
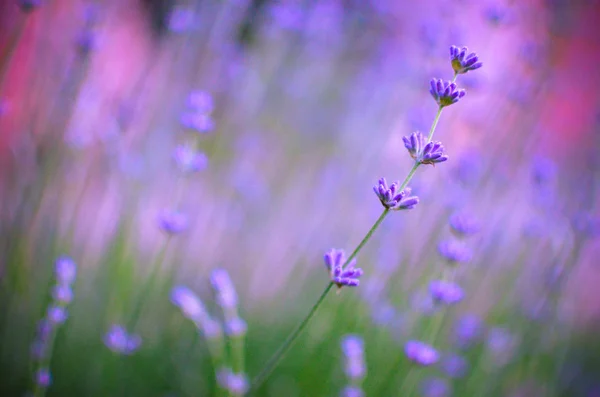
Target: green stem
(268,368)
(409,176)
(147,287)
(435,122)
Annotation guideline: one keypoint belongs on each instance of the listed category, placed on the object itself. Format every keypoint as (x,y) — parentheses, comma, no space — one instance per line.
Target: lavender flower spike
(445,93)
(189,160)
(342,276)
(455,252)
(223,286)
(421,353)
(191,306)
(392,199)
(422,151)
(462,61)
(172,222)
(445,292)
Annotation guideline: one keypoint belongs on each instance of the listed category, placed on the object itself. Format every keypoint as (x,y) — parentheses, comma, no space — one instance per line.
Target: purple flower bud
(462,61)
(43,377)
(223,286)
(191,306)
(199,122)
(339,274)
(57,315)
(463,224)
(211,329)
(455,251)
(421,353)
(201,102)
(445,292)
(501,344)
(236,327)
(445,93)
(422,151)
(435,387)
(454,366)
(189,160)
(352,391)
(119,341)
(393,199)
(62,294)
(237,384)
(38,350)
(468,330)
(353,348)
(172,222)
(65,270)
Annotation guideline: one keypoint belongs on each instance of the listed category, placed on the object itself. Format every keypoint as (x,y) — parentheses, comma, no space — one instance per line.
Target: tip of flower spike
(462,61)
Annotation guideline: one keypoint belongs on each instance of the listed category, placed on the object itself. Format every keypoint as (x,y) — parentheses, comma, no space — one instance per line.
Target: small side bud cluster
(65,271)
(445,93)
(422,151)
(393,198)
(462,61)
(340,272)
(118,340)
(455,252)
(464,225)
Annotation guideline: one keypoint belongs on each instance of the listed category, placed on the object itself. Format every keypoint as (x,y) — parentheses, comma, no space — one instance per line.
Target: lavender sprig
(391,197)
(65,271)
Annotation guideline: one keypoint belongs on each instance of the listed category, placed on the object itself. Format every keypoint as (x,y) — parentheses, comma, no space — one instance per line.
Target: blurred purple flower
(468,330)
(29,5)
(501,344)
(543,170)
(199,122)
(586,224)
(422,151)
(446,292)
(57,315)
(201,102)
(454,365)
(188,159)
(421,353)
(340,275)
(445,93)
(393,199)
(172,222)
(237,384)
(463,224)
(462,61)
(43,377)
(65,270)
(119,341)
(454,251)
(211,329)
(181,19)
(62,294)
(224,289)
(353,349)
(236,327)
(352,391)
(191,306)
(435,387)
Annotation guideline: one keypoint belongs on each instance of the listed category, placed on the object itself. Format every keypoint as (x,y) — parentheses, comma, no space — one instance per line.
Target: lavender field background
(265,125)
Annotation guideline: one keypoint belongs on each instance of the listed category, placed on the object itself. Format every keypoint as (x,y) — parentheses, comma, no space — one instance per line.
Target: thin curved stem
(435,122)
(274,360)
